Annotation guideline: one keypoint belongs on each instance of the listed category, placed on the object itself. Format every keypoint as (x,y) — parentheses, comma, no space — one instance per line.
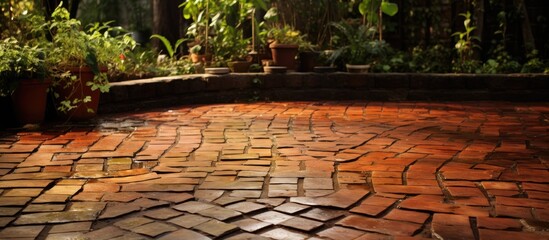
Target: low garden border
(244,87)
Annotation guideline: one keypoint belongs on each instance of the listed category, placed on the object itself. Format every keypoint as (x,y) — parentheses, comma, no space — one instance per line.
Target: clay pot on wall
(284,55)
(29,100)
(239,66)
(358,68)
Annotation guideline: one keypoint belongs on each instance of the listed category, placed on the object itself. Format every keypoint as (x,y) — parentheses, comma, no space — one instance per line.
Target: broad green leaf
(363,7)
(271,15)
(466,22)
(186,11)
(389,8)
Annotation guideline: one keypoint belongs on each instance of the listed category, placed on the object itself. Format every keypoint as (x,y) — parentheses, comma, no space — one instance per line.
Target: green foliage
(372,11)
(286,35)
(353,43)
(22,49)
(143,63)
(218,26)
(275,32)
(18,62)
(172,67)
(535,64)
(196,49)
(11,11)
(356,46)
(435,59)
(389,8)
(230,44)
(171,49)
(466,42)
(501,62)
(468,66)
(99,46)
(136,64)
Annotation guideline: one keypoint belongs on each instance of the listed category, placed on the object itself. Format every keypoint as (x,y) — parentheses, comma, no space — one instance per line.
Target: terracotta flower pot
(284,55)
(274,69)
(79,90)
(357,68)
(201,58)
(195,58)
(29,100)
(239,66)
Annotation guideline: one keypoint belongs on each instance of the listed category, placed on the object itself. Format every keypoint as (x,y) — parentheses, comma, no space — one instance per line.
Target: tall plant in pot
(285,42)
(357,50)
(23,69)
(282,39)
(230,45)
(23,77)
(81,59)
(218,27)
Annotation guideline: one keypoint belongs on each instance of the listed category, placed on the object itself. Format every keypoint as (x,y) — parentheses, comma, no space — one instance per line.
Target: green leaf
(166,43)
(363,7)
(466,22)
(389,8)
(91,60)
(271,15)
(187,13)
(178,42)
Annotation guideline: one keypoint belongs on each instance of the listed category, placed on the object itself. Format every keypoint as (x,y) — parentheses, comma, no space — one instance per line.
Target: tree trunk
(167,21)
(73,9)
(527,35)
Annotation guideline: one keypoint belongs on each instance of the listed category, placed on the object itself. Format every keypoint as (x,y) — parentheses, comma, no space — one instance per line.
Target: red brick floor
(295,170)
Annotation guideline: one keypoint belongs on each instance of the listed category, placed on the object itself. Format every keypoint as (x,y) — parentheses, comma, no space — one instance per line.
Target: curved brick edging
(204,88)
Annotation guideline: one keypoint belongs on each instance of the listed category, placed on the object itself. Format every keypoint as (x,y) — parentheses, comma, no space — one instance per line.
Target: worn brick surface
(288,170)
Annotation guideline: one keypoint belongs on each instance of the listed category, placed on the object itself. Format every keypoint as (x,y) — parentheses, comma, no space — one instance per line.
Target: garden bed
(245,87)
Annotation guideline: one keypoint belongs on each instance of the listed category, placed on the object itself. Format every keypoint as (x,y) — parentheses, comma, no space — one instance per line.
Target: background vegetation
(472,36)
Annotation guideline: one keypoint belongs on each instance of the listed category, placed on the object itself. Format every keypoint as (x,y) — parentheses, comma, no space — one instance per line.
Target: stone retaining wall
(204,88)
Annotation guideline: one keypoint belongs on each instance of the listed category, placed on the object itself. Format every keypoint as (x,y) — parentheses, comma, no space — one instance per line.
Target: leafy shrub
(434,59)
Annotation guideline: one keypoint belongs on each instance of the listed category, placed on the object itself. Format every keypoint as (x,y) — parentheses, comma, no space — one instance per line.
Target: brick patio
(286,170)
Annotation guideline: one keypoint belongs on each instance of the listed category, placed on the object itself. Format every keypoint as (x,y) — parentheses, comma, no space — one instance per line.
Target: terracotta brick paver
(290,170)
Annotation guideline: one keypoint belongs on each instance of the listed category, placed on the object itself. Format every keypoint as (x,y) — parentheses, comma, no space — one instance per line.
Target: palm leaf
(166,43)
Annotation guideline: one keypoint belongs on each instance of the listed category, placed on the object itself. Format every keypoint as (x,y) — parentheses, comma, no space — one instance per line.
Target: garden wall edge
(244,87)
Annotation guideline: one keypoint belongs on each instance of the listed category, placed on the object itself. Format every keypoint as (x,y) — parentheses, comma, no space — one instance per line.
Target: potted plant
(284,46)
(81,59)
(23,77)
(23,69)
(239,62)
(308,56)
(234,47)
(218,28)
(195,55)
(358,51)
(325,65)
